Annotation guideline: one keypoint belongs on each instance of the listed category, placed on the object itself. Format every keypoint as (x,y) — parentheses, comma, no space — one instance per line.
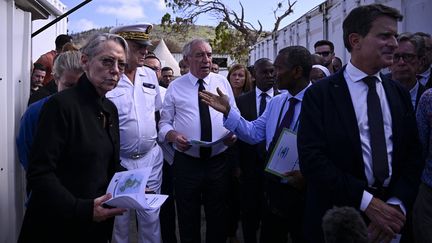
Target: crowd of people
(357,134)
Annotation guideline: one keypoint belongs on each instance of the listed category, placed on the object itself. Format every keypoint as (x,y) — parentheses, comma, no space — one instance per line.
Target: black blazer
(73,158)
(428,84)
(330,151)
(250,156)
(420,91)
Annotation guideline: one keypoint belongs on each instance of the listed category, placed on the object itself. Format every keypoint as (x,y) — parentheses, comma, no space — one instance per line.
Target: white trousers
(148,220)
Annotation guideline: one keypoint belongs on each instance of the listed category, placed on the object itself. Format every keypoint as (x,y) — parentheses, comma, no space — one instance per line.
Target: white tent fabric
(166,58)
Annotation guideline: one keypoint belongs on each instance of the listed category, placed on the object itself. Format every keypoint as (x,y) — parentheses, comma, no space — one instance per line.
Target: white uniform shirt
(136,104)
(181,111)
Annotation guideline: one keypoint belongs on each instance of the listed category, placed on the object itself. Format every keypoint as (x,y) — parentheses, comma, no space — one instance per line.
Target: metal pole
(60,18)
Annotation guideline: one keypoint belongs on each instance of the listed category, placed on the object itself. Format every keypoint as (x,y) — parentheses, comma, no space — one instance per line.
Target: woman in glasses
(76,152)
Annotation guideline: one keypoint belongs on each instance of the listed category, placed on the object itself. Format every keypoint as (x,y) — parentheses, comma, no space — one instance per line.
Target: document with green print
(128,190)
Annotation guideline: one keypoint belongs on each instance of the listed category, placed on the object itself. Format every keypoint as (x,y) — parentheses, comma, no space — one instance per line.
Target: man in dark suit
(407,60)
(358,143)
(424,73)
(252,157)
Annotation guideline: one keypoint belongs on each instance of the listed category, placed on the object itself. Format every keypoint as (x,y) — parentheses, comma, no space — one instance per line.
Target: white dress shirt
(258,92)
(358,91)
(136,104)
(181,111)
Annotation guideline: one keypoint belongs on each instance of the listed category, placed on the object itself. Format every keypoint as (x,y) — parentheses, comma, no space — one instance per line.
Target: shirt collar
(269,92)
(300,94)
(414,89)
(356,74)
(425,73)
(194,80)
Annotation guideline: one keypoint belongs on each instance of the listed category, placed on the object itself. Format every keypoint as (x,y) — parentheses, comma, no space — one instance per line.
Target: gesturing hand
(386,221)
(100,213)
(218,102)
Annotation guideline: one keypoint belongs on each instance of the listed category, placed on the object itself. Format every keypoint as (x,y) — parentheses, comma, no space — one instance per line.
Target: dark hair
(344,224)
(423,34)
(262,60)
(325,43)
(61,40)
(297,56)
(38,66)
(167,69)
(152,56)
(416,40)
(360,20)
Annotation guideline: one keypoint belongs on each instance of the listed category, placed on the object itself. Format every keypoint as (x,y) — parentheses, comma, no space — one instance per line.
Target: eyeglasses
(324,53)
(110,62)
(153,68)
(406,57)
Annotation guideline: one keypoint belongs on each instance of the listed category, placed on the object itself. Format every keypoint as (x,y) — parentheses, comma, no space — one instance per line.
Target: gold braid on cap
(132,35)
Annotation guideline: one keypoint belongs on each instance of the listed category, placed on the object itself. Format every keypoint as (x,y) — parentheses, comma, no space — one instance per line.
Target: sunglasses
(152,68)
(324,53)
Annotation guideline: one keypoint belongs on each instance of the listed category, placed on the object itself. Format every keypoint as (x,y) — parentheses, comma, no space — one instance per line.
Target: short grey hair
(187,49)
(94,43)
(67,61)
(417,41)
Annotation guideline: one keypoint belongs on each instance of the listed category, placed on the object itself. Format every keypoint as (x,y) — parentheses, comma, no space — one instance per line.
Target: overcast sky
(102,13)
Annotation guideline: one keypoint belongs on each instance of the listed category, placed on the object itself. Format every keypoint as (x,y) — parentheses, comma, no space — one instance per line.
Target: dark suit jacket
(420,91)
(251,161)
(72,160)
(428,84)
(330,151)
(251,156)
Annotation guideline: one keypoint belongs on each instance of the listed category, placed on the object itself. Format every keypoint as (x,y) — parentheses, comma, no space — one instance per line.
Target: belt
(139,155)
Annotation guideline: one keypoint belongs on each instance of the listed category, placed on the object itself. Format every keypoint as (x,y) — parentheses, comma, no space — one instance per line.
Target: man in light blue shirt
(284,196)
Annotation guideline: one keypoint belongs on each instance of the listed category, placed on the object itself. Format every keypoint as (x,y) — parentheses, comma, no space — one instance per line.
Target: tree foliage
(234,34)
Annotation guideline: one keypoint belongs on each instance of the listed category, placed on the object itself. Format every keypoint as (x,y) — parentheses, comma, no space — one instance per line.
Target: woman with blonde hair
(239,79)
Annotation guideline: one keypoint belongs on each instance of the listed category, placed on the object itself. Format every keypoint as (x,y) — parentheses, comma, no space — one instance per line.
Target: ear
(297,72)
(84,60)
(186,60)
(355,40)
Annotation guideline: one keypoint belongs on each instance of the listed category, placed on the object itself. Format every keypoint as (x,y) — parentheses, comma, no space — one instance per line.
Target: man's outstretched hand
(218,102)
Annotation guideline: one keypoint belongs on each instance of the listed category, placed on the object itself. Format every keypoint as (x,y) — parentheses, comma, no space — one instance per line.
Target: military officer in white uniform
(137,98)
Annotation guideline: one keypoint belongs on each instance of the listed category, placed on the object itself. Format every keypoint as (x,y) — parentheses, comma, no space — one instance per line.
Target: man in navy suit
(357,141)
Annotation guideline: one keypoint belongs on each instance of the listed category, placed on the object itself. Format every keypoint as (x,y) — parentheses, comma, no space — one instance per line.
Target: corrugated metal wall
(325,22)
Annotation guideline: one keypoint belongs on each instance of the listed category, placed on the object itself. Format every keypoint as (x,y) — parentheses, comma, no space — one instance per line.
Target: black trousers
(203,181)
(167,212)
(251,205)
(283,213)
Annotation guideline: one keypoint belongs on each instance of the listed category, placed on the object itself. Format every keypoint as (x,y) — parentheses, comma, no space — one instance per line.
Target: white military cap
(137,32)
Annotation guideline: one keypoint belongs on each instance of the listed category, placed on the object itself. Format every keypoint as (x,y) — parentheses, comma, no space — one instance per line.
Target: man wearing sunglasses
(138,99)
(406,62)
(325,49)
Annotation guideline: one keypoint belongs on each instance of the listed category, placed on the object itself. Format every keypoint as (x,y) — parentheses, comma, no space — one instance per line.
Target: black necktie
(376,131)
(263,103)
(286,122)
(206,128)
